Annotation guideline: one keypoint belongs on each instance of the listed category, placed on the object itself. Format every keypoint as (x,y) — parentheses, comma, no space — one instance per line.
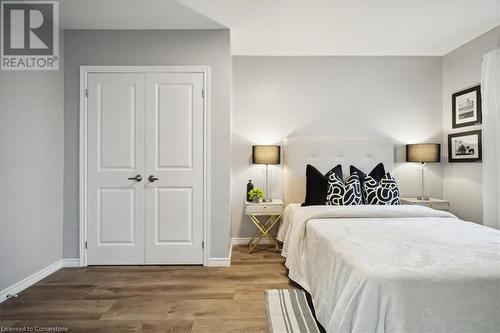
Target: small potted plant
(256,195)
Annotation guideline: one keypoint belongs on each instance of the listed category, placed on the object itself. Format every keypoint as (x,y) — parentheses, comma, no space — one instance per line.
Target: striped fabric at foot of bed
(288,312)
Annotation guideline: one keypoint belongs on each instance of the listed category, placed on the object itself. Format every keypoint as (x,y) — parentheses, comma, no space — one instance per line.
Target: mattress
(394,268)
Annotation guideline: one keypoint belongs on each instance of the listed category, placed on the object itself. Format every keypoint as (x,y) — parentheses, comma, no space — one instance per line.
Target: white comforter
(394,268)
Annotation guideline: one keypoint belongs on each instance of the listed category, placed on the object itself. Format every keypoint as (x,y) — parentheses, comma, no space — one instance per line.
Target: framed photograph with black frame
(465,147)
(466,106)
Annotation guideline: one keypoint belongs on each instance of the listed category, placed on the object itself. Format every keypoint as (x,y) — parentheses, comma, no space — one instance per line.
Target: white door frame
(84,71)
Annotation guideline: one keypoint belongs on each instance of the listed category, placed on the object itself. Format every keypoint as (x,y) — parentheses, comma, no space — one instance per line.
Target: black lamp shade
(266,154)
(423,153)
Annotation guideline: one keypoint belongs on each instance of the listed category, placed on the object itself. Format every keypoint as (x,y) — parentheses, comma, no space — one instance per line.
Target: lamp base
(423,198)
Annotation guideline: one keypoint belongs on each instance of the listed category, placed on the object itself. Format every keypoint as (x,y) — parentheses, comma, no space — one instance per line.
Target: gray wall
(159,47)
(276,97)
(462,184)
(31,169)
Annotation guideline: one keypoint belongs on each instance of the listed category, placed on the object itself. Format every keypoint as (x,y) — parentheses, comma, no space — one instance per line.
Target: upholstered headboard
(326,152)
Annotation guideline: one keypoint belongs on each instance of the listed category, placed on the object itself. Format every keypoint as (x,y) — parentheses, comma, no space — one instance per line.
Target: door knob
(152,179)
(137,178)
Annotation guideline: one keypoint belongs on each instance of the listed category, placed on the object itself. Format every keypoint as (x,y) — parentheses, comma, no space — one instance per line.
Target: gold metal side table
(264,215)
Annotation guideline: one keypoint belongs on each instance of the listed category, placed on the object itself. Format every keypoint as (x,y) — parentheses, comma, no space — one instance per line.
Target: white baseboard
(230,250)
(71,262)
(219,262)
(30,280)
(245,240)
(225,262)
(37,276)
(222,262)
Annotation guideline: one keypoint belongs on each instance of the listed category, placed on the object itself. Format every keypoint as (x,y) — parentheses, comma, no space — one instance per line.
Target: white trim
(207,162)
(19,286)
(83,168)
(230,250)
(219,262)
(84,71)
(71,262)
(30,280)
(222,262)
(245,240)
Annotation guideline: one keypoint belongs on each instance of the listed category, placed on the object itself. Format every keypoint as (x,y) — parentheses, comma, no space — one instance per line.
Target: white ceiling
(302,27)
(131,14)
(397,27)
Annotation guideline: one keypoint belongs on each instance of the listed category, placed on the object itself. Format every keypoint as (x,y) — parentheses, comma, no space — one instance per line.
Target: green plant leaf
(256,193)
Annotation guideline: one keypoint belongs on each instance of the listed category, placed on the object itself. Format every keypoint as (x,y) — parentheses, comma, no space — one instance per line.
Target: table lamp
(266,154)
(423,153)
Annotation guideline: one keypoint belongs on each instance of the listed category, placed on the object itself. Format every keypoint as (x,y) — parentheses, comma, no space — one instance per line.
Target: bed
(385,268)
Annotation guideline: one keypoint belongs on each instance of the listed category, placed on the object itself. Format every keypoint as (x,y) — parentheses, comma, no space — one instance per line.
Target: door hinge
(202,244)
(203,93)
(86,93)
(86,244)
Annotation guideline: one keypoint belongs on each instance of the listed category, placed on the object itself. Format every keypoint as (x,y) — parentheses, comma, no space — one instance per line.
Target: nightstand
(434,203)
(264,215)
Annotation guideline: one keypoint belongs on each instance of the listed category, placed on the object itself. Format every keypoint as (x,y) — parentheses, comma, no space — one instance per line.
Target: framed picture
(465,147)
(466,107)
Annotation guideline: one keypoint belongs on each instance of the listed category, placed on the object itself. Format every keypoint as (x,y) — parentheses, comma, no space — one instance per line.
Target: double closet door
(145,168)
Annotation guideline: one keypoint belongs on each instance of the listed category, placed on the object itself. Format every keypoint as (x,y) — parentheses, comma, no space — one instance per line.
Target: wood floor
(152,298)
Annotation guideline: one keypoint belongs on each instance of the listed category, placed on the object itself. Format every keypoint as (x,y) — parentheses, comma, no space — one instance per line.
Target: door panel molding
(83,142)
(160,238)
(173,156)
(105,120)
(104,234)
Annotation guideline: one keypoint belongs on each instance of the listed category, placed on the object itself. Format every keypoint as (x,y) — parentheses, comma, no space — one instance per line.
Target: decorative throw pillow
(340,193)
(377,173)
(317,184)
(383,192)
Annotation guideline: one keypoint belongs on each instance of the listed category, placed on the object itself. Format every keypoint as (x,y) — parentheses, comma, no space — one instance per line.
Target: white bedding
(394,268)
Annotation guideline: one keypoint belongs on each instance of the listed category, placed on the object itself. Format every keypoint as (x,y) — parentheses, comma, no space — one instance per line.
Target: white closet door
(115,229)
(174,155)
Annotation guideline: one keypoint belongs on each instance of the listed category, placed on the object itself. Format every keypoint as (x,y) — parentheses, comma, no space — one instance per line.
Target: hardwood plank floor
(153,298)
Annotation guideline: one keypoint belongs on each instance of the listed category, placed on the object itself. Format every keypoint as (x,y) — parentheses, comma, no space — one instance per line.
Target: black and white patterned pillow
(317,184)
(340,193)
(383,192)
